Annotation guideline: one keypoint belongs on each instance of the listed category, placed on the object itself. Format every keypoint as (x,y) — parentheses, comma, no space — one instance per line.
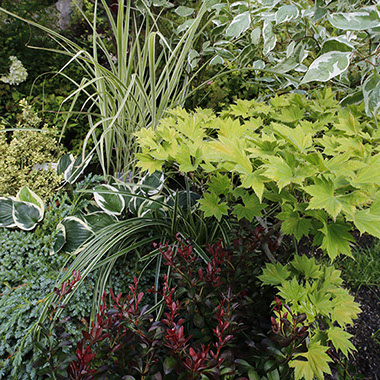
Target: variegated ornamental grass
(122,96)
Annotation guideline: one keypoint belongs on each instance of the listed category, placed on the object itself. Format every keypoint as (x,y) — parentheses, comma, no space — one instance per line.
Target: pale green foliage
(17,72)
(317,161)
(316,290)
(26,149)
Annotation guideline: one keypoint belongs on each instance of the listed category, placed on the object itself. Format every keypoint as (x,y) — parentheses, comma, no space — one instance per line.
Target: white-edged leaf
(339,43)
(108,199)
(193,59)
(327,66)
(25,215)
(269,38)
(354,20)
(217,60)
(6,210)
(76,233)
(64,162)
(286,13)
(152,183)
(60,239)
(239,24)
(256,35)
(371,94)
(184,11)
(29,196)
(76,168)
(99,219)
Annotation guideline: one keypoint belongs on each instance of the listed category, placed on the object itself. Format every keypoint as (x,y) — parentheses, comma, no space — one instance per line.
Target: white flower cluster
(17,72)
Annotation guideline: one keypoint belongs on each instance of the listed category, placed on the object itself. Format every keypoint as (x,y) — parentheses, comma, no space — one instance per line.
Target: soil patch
(367,343)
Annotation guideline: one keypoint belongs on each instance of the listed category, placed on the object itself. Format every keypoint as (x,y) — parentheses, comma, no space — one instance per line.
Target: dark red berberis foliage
(200,326)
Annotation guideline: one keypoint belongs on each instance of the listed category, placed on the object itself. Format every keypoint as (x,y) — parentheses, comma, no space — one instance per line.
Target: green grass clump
(364,267)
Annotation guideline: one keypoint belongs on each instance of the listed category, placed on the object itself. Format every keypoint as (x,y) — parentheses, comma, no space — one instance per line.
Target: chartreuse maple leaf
(316,363)
(341,340)
(292,291)
(211,205)
(345,308)
(323,197)
(187,163)
(278,170)
(251,208)
(255,180)
(147,162)
(220,184)
(298,137)
(368,220)
(307,266)
(294,223)
(336,240)
(274,274)
(322,302)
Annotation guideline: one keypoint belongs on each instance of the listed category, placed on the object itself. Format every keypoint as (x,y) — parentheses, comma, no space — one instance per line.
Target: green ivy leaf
(316,363)
(211,207)
(341,340)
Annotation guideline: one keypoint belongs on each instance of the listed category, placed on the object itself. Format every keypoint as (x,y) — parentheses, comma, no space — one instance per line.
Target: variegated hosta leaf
(109,200)
(6,217)
(327,66)
(64,162)
(152,183)
(76,168)
(27,195)
(26,215)
(154,203)
(76,232)
(99,219)
(60,239)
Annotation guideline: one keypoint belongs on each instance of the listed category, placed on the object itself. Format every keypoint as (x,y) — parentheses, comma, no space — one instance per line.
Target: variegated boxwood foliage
(312,163)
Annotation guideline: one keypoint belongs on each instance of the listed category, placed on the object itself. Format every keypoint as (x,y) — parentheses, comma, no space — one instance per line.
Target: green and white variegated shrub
(309,162)
(315,292)
(24,211)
